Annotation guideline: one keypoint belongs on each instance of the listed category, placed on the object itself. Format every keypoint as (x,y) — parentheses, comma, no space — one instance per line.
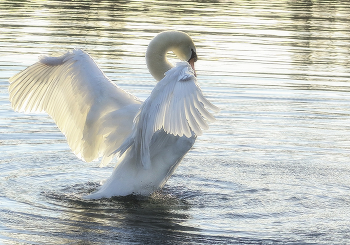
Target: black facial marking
(193,55)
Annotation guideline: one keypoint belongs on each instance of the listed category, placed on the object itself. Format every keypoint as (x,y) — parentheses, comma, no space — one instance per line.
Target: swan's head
(178,42)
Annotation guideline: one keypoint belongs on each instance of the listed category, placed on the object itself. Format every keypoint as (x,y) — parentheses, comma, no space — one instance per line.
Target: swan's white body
(99,119)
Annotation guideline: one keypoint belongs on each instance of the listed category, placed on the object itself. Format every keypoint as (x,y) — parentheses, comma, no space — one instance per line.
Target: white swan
(99,119)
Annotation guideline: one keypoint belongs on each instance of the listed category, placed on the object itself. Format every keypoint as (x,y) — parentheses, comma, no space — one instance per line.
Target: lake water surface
(273,169)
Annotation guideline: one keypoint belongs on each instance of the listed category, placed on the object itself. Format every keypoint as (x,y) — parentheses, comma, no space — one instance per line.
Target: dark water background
(273,169)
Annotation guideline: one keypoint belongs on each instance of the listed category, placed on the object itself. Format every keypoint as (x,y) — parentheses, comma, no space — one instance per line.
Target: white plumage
(80,99)
(99,119)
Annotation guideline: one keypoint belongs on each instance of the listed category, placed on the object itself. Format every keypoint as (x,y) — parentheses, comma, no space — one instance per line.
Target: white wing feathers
(83,102)
(175,105)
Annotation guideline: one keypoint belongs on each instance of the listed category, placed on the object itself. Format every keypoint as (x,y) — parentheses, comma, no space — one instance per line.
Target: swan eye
(193,55)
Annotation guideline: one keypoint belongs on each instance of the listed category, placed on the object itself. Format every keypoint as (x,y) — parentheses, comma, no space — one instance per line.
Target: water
(273,169)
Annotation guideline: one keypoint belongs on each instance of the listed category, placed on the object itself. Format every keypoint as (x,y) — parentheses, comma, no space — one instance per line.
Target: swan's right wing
(94,114)
(176,105)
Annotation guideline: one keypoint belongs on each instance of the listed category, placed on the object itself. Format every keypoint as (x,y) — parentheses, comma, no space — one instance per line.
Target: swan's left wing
(94,114)
(175,105)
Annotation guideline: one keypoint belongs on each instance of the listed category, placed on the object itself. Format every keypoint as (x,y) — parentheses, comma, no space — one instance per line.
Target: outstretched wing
(87,107)
(175,105)
(178,105)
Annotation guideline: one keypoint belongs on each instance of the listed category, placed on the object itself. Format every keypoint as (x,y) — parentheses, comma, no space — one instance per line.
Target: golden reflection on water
(286,39)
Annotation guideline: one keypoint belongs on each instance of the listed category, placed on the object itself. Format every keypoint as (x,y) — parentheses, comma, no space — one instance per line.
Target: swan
(101,120)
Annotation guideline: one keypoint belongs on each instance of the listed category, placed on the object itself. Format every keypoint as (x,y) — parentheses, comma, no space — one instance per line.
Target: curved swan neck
(164,42)
(156,60)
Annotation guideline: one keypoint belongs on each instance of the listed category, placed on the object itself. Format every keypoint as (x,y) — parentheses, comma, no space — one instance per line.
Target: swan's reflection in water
(157,219)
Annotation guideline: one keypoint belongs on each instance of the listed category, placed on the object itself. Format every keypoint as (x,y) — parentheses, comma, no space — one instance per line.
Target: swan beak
(191,62)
